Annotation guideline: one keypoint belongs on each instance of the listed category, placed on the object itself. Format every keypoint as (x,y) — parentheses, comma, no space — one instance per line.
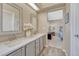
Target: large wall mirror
(34,23)
(10,18)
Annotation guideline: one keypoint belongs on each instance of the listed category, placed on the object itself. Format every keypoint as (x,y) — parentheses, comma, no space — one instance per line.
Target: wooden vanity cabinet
(33,48)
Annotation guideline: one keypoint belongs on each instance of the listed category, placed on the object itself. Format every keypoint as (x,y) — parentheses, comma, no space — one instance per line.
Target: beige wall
(27,11)
(42,22)
(66,42)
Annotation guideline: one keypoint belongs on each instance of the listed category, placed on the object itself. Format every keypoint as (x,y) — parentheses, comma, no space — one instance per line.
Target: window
(55,15)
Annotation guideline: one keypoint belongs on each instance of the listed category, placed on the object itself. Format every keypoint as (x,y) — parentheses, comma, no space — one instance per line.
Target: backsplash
(11,37)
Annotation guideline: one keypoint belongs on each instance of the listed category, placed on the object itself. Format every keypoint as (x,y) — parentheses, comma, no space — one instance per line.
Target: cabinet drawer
(19,52)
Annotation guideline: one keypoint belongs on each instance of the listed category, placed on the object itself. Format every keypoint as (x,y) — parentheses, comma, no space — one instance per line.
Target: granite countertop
(10,46)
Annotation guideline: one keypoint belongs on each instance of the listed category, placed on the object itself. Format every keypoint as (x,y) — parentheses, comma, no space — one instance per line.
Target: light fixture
(33,6)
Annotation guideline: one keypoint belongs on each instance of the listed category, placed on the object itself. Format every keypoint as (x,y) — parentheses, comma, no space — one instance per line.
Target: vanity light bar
(33,6)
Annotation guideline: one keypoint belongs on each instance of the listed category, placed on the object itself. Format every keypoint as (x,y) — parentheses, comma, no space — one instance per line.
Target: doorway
(56,31)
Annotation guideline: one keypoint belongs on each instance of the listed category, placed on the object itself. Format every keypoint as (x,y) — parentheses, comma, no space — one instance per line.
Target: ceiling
(44,6)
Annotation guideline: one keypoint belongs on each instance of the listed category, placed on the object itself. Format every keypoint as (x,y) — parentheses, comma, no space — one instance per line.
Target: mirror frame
(20,18)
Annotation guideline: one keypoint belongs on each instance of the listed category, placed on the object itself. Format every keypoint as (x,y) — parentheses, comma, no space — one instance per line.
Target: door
(74,23)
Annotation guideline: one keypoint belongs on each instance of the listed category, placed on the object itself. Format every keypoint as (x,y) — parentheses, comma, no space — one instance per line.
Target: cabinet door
(37,47)
(30,49)
(41,44)
(44,40)
(19,52)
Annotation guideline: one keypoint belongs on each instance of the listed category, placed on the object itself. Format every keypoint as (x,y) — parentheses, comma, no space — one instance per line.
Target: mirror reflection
(10,20)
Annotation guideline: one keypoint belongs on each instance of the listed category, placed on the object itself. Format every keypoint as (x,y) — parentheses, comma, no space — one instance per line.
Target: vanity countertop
(10,46)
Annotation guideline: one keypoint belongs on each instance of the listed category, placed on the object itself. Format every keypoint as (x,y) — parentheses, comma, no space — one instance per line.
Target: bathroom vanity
(32,46)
